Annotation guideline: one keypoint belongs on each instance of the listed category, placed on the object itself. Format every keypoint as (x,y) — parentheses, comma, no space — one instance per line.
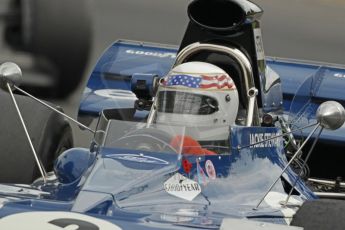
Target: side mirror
(10,73)
(330,115)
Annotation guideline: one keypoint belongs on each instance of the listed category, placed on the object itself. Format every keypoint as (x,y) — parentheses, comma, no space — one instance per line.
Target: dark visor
(186,103)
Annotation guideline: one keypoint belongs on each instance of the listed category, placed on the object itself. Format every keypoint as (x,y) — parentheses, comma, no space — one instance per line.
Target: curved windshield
(159,168)
(301,107)
(140,136)
(162,138)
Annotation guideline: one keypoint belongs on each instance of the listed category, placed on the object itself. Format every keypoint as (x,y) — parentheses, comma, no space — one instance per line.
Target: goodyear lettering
(153,54)
(260,139)
(182,187)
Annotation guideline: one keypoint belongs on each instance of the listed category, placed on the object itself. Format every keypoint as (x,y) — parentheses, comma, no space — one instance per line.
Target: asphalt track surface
(300,29)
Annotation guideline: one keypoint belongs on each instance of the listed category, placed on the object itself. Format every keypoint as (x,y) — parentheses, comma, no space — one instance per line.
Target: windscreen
(302,110)
(146,169)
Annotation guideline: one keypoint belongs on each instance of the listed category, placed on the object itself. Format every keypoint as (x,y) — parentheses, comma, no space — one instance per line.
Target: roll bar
(245,66)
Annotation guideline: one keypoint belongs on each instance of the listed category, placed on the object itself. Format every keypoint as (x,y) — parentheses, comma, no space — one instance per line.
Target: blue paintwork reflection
(242,178)
(127,185)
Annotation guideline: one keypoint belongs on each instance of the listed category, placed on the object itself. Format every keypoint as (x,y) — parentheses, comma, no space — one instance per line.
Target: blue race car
(211,135)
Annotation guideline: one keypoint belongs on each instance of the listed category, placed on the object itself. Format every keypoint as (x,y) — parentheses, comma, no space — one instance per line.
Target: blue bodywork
(123,59)
(128,191)
(125,187)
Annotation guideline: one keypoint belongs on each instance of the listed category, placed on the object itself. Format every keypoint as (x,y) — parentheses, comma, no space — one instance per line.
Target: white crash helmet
(200,96)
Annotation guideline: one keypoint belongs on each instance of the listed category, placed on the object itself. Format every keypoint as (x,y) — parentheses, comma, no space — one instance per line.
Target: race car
(212,135)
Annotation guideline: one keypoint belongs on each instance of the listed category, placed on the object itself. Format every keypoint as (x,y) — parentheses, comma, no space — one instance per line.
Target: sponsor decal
(152,54)
(54,221)
(260,139)
(187,166)
(182,187)
(210,170)
(201,176)
(140,158)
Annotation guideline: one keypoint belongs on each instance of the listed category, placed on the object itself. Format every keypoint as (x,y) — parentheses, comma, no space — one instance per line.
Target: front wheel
(50,133)
(324,214)
(58,34)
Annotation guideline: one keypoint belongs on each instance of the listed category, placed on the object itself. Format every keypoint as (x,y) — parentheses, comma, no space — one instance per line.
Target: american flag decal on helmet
(222,81)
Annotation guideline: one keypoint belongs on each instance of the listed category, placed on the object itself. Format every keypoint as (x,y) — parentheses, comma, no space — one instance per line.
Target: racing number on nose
(82,225)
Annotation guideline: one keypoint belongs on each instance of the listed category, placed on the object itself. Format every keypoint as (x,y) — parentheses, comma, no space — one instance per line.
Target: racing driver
(204,99)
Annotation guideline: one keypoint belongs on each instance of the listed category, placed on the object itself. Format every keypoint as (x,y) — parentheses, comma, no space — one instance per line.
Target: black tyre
(59,35)
(322,214)
(50,133)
